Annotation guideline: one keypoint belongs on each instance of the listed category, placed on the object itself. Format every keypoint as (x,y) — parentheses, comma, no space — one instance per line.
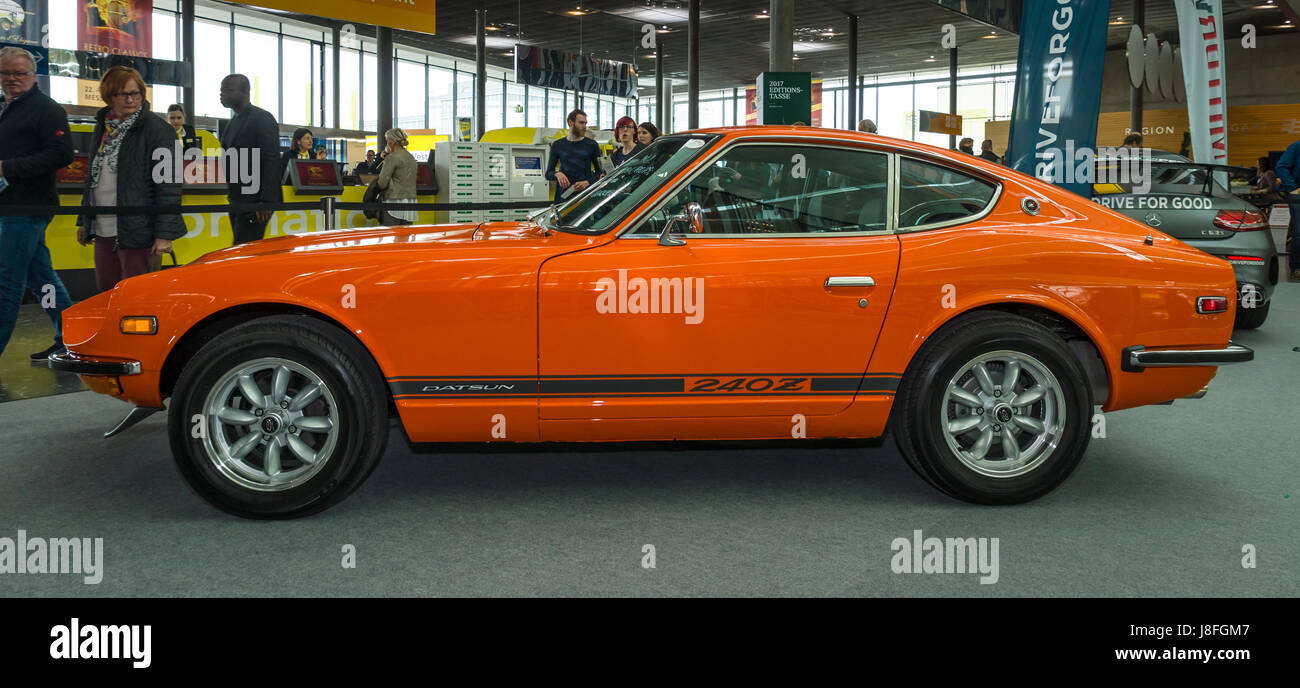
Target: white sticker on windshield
(694,143)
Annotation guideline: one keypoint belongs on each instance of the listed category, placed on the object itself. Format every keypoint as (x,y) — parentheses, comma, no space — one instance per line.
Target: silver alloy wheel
(1003,414)
(271,424)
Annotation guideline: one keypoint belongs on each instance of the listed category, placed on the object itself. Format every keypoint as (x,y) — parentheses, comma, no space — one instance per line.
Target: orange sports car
(738,283)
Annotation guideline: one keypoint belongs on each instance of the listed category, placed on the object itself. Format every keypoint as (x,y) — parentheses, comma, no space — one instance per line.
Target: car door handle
(850,282)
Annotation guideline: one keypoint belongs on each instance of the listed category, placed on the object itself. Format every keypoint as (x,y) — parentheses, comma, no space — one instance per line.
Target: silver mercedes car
(1189,201)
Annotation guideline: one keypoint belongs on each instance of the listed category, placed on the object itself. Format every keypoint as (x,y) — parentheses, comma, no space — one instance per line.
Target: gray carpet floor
(1162,506)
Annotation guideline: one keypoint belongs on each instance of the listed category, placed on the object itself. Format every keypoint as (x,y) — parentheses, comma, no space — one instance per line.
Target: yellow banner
(408,15)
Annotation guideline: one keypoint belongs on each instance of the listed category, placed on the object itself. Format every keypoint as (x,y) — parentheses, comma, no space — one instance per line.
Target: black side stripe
(641,385)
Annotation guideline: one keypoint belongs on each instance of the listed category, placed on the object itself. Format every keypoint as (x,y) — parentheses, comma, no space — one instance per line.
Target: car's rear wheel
(1251,318)
(995,409)
(279,417)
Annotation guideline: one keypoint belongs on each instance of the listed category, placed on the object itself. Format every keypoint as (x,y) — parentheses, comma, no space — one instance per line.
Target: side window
(758,189)
(930,193)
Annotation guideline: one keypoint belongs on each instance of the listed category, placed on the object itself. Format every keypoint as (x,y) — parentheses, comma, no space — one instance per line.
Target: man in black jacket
(255,137)
(35,143)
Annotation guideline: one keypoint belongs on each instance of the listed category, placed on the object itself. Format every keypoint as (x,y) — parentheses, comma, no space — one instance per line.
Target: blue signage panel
(1058,90)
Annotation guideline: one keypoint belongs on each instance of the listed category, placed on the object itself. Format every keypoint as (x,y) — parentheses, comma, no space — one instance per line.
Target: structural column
(693,66)
(781,36)
(187,56)
(334,77)
(952,91)
(384,117)
(853,74)
(480,70)
(659,85)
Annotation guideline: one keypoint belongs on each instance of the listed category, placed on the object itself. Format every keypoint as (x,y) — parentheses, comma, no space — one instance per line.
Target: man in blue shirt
(577,156)
(1288,172)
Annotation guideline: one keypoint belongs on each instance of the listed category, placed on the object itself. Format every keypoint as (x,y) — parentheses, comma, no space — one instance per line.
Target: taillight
(1240,220)
(1212,304)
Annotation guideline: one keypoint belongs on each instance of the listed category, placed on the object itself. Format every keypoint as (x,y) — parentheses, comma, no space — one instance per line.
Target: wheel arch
(209,327)
(1079,339)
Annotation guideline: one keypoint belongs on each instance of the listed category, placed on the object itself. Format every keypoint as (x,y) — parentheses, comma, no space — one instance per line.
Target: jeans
(1294,202)
(25,264)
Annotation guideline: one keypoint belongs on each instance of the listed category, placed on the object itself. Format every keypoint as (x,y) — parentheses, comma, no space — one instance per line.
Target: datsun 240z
(729,284)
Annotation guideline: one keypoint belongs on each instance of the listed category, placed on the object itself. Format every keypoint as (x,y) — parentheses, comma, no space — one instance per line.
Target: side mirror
(693,218)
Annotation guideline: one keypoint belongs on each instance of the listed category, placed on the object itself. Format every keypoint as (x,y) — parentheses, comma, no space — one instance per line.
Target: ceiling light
(762,16)
(491,28)
(1117,21)
(576,13)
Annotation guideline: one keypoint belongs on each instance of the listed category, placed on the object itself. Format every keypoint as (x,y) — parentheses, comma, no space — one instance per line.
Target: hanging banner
(24,22)
(751,105)
(1200,30)
(116,27)
(573,72)
(1058,91)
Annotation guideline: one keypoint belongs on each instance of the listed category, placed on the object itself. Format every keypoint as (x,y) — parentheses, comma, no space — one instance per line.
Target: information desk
(207,231)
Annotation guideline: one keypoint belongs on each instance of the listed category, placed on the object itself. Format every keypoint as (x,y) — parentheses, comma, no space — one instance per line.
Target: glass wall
(410,95)
(290,67)
(300,88)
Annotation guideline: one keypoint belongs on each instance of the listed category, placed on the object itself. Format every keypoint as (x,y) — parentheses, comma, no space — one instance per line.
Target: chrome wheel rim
(271,424)
(1003,414)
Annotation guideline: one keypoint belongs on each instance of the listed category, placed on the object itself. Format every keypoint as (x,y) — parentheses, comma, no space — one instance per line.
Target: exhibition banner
(25,22)
(116,27)
(407,15)
(1200,30)
(570,71)
(784,98)
(1058,90)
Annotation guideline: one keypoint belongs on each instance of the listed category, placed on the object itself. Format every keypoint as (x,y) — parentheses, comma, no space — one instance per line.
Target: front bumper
(70,362)
(1135,359)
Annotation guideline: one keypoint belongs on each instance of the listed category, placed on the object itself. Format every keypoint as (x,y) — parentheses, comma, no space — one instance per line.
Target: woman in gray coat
(397,177)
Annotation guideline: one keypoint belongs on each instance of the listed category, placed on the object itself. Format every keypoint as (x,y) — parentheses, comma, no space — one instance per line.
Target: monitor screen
(74,173)
(316,173)
(528,162)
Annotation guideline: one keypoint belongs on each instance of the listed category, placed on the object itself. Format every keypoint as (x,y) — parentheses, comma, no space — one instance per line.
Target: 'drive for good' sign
(785,98)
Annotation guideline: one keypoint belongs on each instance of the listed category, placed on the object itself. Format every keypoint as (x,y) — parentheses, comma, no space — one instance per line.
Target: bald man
(254,134)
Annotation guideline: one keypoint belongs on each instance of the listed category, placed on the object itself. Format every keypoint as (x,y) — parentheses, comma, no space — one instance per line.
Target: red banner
(116,27)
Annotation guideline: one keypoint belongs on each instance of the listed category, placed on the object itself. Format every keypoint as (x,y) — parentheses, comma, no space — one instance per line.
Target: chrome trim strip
(1139,358)
(69,362)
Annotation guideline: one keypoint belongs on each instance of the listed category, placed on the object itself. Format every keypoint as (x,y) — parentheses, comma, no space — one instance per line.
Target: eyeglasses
(128,95)
(627,126)
(15,75)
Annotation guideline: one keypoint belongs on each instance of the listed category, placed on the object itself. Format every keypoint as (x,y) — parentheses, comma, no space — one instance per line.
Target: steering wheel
(927,212)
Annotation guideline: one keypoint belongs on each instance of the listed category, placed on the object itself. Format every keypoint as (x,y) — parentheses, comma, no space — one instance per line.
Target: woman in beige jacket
(397,176)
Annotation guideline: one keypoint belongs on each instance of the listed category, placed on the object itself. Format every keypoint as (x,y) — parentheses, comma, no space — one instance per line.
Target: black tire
(1251,318)
(919,408)
(359,405)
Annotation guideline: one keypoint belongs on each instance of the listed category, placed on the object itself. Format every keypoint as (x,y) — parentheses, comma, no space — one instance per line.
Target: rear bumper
(70,362)
(1137,358)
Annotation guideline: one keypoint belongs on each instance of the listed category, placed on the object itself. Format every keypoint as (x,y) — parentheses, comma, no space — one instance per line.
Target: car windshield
(1166,173)
(609,200)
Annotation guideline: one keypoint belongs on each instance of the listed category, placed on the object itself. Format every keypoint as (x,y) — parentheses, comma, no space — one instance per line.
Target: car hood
(508,237)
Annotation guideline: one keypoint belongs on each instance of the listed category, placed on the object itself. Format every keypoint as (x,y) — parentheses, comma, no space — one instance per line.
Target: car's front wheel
(995,409)
(278,417)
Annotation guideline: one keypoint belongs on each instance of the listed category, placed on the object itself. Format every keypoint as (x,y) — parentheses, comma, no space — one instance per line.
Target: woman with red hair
(625,135)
